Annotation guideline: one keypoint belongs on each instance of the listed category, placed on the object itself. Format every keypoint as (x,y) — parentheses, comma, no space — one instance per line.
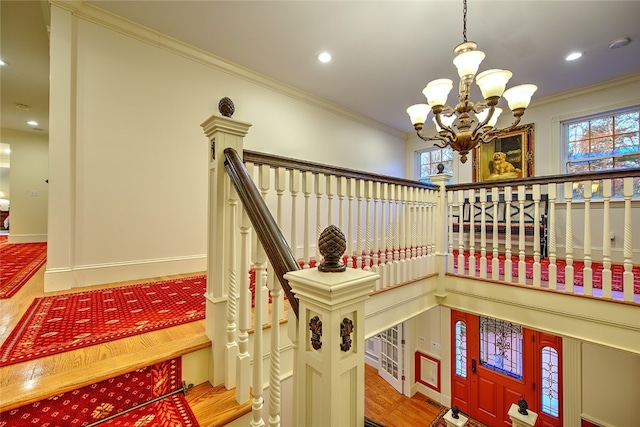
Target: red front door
(494,364)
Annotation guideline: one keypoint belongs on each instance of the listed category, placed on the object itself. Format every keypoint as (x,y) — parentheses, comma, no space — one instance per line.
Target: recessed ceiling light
(324,57)
(32,123)
(3,62)
(573,56)
(621,42)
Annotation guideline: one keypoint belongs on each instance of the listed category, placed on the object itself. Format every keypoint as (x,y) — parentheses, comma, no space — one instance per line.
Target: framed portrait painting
(508,156)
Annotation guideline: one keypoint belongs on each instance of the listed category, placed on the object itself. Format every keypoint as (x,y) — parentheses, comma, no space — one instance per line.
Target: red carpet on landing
(106,398)
(19,262)
(61,323)
(616,270)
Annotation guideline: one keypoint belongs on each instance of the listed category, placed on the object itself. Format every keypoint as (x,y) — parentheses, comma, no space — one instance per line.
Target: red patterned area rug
(440,422)
(20,261)
(617,270)
(107,398)
(3,238)
(61,323)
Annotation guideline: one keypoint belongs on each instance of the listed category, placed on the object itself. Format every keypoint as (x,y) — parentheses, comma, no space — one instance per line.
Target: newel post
(521,416)
(441,226)
(329,384)
(222,132)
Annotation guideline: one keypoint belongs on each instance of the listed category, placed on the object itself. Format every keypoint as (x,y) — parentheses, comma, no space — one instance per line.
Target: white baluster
(537,268)
(450,230)
(383,235)
(264,181)
(319,185)
(243,365)
(368,193)
(568,269)
(411,231)
(376,245)
(294,188)
(359,230)
(429,234)
(280,185)
(232,289)
(587,272)
(307,188)
(553,268)
(257,388)
(342,192)
(472,233)
(351,192)
(508,263)
(522,265)
(606,239)
(495,260)
(405,252)
(483,233)
(397,272)
(331,191)
(461,266)
(274,369)
(627,276)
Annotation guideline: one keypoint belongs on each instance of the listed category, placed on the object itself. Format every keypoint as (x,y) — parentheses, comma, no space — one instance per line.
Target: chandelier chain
(464,20)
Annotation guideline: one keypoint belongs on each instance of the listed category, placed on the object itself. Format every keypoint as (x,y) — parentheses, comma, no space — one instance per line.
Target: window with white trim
(603,142)
(427,162)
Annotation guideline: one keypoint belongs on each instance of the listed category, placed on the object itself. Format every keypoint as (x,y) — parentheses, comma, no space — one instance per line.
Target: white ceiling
(384,51)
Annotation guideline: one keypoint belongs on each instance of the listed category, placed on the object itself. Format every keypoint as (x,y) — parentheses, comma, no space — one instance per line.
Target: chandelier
(457,127)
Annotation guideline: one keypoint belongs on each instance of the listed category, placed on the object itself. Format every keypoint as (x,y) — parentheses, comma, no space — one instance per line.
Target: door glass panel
(501,346)
(549,390)
(461,349)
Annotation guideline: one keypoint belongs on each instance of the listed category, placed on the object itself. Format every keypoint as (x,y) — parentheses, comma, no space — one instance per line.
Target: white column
(330,355)
(571,382)
(222,132)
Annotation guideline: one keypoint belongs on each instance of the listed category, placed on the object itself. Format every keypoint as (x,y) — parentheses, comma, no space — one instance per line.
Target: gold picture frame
(516,160)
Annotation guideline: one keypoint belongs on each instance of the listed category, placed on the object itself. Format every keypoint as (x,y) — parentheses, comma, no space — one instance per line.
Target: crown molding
(94,14)
(586,90)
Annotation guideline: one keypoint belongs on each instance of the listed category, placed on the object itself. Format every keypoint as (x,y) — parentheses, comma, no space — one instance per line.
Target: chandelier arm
(424,137)
(495,131)
(452,136)
(478,129)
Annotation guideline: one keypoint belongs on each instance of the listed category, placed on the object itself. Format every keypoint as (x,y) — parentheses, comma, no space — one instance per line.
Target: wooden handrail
(304,166)
(549,179)
(275,245)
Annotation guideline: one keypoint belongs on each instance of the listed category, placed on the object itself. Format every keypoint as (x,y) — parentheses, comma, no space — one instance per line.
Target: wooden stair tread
(30,381)
(215,406)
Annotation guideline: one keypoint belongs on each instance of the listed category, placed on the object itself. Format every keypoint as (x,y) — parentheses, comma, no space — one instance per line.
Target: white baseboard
(57,279)
(27,238)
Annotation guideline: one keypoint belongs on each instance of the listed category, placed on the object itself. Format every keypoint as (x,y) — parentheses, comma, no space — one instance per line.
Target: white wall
(29,190)
(130,158)
(610,386)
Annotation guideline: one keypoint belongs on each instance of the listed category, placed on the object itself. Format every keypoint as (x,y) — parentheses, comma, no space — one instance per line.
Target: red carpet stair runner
(18,263)
(61,323)
(132,399)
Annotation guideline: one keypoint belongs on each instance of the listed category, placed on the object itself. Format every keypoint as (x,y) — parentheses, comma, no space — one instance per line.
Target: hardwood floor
(382,403)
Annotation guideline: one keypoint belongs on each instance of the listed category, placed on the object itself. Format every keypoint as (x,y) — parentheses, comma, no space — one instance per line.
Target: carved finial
(226,107)
(455,412)
(523,406)
(332,245)
(440,167)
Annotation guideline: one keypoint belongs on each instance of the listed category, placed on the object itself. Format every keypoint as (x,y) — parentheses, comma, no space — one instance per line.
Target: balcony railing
(548,232)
